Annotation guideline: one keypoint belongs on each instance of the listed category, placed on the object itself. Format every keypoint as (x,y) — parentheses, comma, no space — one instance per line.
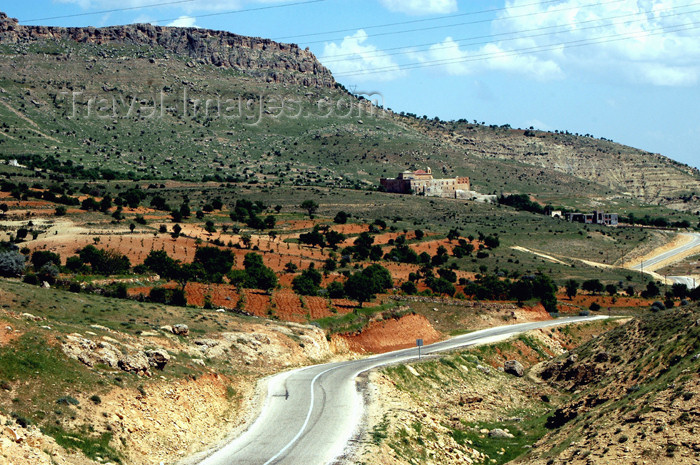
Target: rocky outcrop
(158,358)
(499,433)
(650,177)
(181,330)
(573,372)
(93,353)
(514,368)
(274,61)
(135,363)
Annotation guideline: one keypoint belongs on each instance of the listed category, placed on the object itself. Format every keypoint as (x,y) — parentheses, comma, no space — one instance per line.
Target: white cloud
(420,7)
(662,75)
(184,21)
(537,39)
(491,57)
(655,50)
(355,58)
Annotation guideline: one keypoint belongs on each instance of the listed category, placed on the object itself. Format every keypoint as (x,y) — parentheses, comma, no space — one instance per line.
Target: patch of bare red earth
(535,313)
(135,246)
(350,229)
(221,295)
(392,334)
(283,303)
(584,301)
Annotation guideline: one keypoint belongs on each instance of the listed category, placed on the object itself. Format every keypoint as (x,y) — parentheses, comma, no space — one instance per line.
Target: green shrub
(68,400)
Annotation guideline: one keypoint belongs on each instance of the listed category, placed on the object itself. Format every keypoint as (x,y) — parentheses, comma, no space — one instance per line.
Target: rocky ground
(635,396)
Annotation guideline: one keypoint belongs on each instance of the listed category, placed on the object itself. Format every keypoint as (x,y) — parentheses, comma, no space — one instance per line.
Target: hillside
(615,392)
(634,395)
(149,102)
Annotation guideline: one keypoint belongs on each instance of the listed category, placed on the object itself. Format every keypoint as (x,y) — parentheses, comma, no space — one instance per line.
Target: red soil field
(298,224)
(344,306)
(135,246)
(350,229)
(258,303)
(605,301)
(432,246)
(317,307)
(287,304)
(221,295)
(384,238)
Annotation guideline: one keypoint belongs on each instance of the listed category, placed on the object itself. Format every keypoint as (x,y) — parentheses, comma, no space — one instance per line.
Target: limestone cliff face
(649,177)
(261,57)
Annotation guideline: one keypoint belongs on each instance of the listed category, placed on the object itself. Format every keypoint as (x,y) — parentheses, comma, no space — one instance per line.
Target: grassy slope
(344,149)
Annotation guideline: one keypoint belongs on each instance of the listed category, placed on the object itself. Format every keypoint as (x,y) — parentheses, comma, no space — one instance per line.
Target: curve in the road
(650,262)
(312,422)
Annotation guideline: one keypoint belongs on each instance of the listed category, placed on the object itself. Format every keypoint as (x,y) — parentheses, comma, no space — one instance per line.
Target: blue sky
(626,70)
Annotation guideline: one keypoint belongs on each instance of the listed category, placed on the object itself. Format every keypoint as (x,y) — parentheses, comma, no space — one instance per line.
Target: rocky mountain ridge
(273,61)
(650,177)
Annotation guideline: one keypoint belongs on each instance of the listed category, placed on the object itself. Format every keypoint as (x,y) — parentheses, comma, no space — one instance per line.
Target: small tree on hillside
(333,238)
(246,239)
(160,263)
(453,234)
(593,286)
(680,290)
(571,288)
(611,289)
(312,238)
(652,290)
(215,262)
(359,287)
(310,206)
(308,282)
(256,274)
(341,218)
(363,285)
(42,257)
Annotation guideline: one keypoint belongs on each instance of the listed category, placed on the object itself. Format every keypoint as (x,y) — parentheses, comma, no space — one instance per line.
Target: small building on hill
(597,217)
(421,182)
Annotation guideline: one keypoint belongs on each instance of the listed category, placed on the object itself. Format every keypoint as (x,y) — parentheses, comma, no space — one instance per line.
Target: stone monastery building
(422,183)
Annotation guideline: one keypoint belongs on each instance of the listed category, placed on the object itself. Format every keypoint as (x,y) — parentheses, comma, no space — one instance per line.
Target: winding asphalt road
(650,263)
(311,413)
